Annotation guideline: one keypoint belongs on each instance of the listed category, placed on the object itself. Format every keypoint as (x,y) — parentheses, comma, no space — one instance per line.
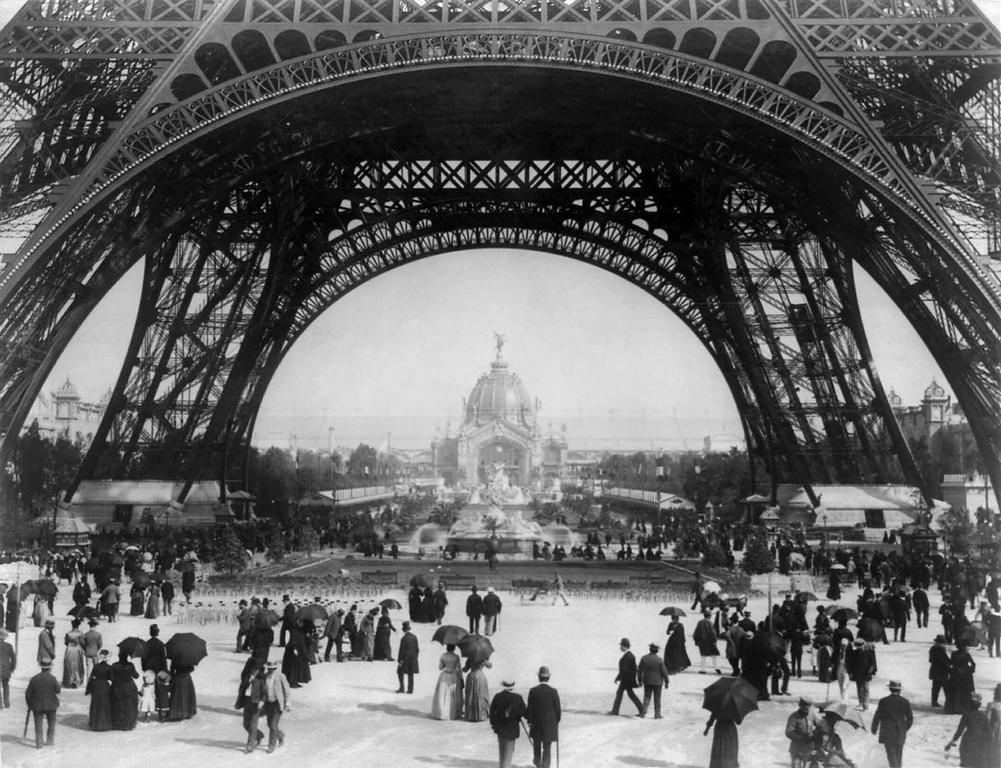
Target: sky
(392,361)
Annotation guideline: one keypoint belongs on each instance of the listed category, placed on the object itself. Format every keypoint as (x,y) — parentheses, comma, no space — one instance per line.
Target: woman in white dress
(447,701)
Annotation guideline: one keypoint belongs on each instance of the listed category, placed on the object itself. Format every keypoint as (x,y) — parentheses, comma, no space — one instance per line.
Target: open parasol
(268,617)
(391,603)
(839,613)
(769,645)
(419,580)
(84,612)
(730,698)
(46,587)
(711,587)
(312,612)
(133,646)
(186,649)
(805,597)
(140,579)
(476,648)
(845,712)
(837,567)
(673,611)
(449,634)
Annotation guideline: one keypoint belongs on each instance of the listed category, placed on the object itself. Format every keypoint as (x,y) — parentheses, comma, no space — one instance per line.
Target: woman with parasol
(728,700)
(675,655)
(828,749)
(477,650)
(973,735)
(446,704)
(184,650)
(295,661)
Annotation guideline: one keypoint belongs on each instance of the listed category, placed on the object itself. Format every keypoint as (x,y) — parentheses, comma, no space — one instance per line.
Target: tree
(362,464)
(757,558)
(957,530)
(229,554)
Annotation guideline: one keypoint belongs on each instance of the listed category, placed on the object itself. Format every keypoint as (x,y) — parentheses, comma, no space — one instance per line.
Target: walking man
(42,697)
(626,679)
(276,702)
(506,711)
(892,720)
(332,631)
(8,663)
(652,673)
(559,591)
(543,717)
(438,602)
(407,658)
(110,599)
(474,609)
(491,610)
(861,663)
(92,644)
(47,643)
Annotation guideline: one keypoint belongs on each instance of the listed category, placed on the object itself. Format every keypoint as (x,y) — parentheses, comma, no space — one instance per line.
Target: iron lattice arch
(734,159)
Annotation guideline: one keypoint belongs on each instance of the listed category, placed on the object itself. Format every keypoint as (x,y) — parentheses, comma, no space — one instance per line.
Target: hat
(654,647)
(50,622)
(747,613)
(104,652)
(894,685)
(859,641)
(93,622)
(47,664)
(543,673)
(624,642)
(939,638)
(490,589)
(805,700)
(507,683)
(976,697)
(406,625)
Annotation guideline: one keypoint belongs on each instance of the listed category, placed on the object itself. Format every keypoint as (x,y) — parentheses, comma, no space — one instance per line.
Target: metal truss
(115,122)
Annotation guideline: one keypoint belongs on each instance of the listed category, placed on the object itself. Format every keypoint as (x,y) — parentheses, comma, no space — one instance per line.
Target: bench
(457,583)
(382,578)
(609,585)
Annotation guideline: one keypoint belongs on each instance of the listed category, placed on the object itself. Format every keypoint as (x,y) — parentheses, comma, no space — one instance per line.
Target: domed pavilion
(499,432)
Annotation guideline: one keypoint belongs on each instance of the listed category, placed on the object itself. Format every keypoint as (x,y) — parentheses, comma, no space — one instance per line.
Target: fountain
(493,519)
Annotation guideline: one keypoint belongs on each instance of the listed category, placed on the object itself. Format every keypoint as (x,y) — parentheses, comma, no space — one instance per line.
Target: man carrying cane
(543,717)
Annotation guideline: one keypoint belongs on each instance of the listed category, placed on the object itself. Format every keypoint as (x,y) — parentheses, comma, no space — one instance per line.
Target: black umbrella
(449,634)
(312,612)
(184,566)
(268,617)
(84,612)
(838,613)
(391,604)
(419,580)
(673,611)
(140,579)
(476,648)
(730,698)
(133,646)
(186,649)
(769,645)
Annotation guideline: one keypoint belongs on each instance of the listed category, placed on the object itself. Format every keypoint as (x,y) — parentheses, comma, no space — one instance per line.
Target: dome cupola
(500,396)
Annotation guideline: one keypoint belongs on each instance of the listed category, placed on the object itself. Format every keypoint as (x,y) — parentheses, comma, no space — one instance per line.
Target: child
(147,699)
(162,694)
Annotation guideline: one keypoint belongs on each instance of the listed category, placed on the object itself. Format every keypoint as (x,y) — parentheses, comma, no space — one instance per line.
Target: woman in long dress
(675,655)
(99,690)
(153,602)
(295,661)
(961,669)
(973,735)
(368,633)
(73,669)
(40,611)
(447,701)
(726,744)
(383,646)
(183,703)
(138,596)
(124,694)
(477,696)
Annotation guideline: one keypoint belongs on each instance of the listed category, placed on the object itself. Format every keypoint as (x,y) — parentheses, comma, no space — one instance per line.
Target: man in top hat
(543,716)
(474,609)
(506,710)
(892,720)
(800,729)
(938,669)
(277,694)
(47,642)
(747,624)
(8,663)
(407,658)
(626,679)
(42,697)
(244,622)
(652,673)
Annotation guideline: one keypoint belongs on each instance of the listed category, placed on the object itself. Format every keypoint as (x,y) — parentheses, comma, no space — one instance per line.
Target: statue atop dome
(499,340)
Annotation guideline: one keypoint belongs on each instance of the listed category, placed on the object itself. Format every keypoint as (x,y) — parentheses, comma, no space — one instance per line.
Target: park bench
(457,583)
(382,578)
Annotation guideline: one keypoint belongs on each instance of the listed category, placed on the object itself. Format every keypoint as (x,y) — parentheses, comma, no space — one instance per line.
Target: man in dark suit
(652,673)
(288,620)
(155,656)
(42,697)
(543,717)
(474,609)
(938,668)
(626,679)
(893,719)
(506,711)
(8,663)
(407,658)
(919,599)
(491,610)
(47,642)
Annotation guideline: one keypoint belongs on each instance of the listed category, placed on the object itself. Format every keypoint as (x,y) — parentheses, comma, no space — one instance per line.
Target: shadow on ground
(394,710)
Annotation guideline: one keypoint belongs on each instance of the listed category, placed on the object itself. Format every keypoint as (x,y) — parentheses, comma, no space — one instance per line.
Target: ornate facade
(499,432)
(64,412)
